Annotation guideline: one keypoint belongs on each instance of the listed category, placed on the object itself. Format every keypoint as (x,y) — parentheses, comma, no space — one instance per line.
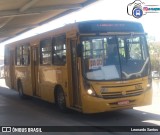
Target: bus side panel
(23,73)
(49,77)
(7,75)
(9,68)
(47,81)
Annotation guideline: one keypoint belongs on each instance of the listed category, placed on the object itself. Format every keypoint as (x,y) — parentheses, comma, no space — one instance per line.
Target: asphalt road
(33,112)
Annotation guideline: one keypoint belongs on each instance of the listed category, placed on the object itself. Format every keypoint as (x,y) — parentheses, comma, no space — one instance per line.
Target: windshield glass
(115,57)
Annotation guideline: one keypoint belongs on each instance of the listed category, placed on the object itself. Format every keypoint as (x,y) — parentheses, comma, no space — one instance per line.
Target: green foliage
(154,50)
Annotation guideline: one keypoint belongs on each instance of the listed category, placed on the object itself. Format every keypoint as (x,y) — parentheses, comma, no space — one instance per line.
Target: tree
(154,50)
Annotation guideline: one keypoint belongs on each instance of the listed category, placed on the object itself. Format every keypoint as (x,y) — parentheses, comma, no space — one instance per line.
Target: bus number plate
(125,102)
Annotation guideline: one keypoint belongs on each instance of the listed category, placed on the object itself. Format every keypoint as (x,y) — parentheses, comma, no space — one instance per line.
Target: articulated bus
(91,66)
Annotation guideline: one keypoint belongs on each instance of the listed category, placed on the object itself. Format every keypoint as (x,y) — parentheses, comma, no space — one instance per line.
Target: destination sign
(109,26)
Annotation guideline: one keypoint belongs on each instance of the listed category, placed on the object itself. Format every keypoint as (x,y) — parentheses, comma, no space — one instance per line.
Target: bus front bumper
(96,104)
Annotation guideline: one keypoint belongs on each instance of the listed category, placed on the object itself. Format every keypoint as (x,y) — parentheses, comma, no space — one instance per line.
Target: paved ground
(155,107)
(33,112)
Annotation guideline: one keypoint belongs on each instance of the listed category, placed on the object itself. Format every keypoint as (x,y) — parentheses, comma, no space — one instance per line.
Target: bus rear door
(35,63)
(11,68)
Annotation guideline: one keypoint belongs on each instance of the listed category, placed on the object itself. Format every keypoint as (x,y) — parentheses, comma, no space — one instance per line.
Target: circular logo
(137,12)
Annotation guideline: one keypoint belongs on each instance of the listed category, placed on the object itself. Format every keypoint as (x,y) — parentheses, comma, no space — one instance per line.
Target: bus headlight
(148,85)
(89,89)
(91,92)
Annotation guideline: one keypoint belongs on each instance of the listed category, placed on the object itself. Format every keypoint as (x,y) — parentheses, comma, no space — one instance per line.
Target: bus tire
(20,90)
(60,100)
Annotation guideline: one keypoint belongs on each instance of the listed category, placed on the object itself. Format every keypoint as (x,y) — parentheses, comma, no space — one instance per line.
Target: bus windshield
(120,57)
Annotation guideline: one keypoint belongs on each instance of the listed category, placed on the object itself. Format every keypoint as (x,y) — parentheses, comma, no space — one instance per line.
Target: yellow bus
(91,66)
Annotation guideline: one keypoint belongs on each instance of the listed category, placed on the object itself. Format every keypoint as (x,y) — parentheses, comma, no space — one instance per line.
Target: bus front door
(76,96)
(35,88)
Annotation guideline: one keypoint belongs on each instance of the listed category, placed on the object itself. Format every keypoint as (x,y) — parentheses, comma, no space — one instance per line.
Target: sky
(101,10)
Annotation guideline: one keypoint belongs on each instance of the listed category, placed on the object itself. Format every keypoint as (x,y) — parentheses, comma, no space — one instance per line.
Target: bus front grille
(122,94)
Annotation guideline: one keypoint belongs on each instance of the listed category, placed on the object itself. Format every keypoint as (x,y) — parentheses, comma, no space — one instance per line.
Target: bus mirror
(79,50)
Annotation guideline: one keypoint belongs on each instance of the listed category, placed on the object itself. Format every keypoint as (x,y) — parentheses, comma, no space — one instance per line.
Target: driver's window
(135,51)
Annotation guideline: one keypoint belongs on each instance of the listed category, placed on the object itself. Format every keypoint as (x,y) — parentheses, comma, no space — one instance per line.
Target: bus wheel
(20,91)
(60,100)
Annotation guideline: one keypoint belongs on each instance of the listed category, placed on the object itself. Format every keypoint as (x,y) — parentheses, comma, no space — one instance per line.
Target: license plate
(125,102)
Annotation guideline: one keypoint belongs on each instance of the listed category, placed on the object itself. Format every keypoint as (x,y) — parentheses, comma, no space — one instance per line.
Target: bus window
(99,58)
(18,55)
(59,50)
(25,56)
(6,56)
(45,51)
(127,55)
(22,55)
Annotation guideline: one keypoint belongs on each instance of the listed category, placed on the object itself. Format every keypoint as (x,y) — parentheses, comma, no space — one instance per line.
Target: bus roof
(92,26)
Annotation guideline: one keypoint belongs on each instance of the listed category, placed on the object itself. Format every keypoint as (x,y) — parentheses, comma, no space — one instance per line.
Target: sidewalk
(155,107)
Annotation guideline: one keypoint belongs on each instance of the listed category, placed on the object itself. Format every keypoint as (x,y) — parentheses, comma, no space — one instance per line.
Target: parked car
(155,74)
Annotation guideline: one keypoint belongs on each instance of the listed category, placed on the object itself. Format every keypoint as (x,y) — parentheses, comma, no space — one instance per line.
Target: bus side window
(22,61)
(59,50)
(25,55)
(22,55)
(45,51)
(18,55)
(6,56)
